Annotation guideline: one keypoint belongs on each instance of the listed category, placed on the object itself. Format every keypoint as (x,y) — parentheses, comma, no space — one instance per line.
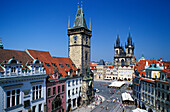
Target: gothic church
(121,56)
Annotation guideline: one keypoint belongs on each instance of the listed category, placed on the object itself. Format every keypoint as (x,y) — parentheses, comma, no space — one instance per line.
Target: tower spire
(69,22)
(90,24)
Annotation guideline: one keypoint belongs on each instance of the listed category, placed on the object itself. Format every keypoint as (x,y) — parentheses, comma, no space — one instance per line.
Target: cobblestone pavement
(89,108)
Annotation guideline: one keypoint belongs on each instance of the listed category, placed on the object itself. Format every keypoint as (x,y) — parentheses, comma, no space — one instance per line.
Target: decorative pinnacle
(81,4)
(78,4)
(69,22)
(90,24)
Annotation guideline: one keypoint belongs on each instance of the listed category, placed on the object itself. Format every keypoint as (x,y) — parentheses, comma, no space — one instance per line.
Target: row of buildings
(35,81)
(110,72)
(151,85)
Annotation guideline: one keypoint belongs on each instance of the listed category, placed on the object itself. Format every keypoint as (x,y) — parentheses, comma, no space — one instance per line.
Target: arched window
(86,55)
(122,62)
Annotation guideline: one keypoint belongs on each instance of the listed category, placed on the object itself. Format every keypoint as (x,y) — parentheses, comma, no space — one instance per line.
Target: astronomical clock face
(86,38)
(75,38)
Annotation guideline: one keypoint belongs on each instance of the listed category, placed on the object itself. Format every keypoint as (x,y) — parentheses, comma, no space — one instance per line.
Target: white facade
(73,91)
(111,73)
(22,90)
(125,72)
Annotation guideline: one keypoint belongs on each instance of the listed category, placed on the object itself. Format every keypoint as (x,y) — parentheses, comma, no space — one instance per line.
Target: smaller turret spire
(118,41)
(78,5)
(90,24)
(69,22)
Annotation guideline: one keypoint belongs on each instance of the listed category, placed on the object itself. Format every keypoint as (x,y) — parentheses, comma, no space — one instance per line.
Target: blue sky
(42,25)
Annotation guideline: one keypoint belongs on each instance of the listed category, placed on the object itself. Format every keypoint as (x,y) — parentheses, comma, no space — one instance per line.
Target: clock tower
(79,52)
(79,42)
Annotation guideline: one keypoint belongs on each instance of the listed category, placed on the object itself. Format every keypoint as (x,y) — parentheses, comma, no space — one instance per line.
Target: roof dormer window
(68,65)
(61,65)
(54,64)
(47,64)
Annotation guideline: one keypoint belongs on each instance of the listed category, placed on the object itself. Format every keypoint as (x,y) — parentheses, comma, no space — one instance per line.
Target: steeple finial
(69,22)
(78,5)
(81,4)
(90,24)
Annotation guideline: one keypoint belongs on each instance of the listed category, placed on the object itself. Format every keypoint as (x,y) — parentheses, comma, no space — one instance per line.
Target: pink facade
(56,95)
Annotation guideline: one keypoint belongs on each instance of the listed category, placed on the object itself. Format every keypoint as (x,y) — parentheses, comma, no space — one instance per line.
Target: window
(47,64)
(61,65)
(163,95)
(39,107)
(58,89)
(62,88)
(33,93)
(8,99)
(77,82)
(167,88)
(18,97)
(68,93)
(40,90)
(49,91)
(54,64)
(67,65)
(33,108)
(54,90)
(73,83)
(73,65)
(76,90)
(14,98)
(36,92)
(162,86)
(73,92)
(68,83)
(74,102)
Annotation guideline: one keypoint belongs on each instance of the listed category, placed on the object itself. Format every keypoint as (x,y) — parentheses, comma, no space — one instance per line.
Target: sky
(42,25)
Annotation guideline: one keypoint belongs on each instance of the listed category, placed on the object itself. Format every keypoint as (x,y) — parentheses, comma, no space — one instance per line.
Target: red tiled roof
(21,56)
(110,66)
(148,80)
(45,57)
(93,66)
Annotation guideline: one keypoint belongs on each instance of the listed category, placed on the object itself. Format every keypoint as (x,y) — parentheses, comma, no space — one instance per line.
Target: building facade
(163,91)
(121,56)
(73,96)
(22,82)
(151,86)
(101,70)
(125,72)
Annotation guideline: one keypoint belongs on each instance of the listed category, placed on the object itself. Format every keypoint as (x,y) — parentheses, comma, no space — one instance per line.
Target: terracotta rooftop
(61,64)
(20,56)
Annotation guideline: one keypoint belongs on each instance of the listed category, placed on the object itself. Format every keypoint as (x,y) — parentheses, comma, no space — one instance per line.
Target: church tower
(79,52)
(129,50)
(79,42)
